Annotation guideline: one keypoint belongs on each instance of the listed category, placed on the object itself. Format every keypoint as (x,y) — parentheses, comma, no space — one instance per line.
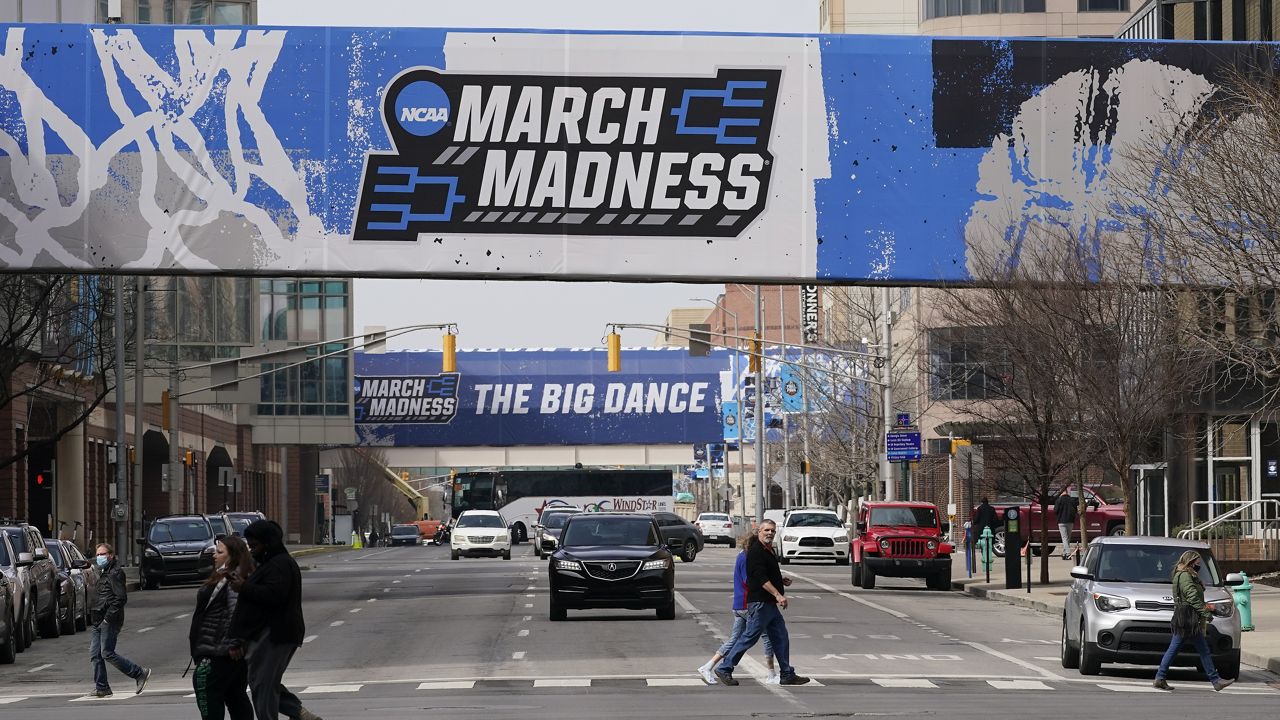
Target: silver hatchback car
(1121,601)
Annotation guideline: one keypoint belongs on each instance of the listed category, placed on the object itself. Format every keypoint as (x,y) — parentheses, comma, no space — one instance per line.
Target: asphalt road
(405,632)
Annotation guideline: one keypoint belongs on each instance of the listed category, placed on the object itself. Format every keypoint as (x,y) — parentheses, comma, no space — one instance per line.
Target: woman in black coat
(220,682)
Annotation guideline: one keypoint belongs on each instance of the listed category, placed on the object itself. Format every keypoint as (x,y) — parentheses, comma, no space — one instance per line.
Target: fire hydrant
(984,544)
(1240,593)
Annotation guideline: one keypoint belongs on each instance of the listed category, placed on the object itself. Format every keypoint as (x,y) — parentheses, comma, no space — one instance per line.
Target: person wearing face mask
(1191,616)
(267,626)
(107,618)
(219,681)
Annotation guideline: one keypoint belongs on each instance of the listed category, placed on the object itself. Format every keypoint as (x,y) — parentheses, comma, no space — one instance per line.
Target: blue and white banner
(538,397)
(438,153)
(791,387)
(732,419)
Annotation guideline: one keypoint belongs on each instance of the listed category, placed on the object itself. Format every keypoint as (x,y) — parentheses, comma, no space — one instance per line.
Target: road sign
(902,446)
(904,420)
(351,492)
(322,484)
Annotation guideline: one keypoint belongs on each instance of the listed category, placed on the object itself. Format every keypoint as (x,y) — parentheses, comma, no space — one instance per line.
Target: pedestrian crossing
(692,684)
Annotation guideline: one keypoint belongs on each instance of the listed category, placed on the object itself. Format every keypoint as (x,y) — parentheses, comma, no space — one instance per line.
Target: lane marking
(1016,661)
(849,596)
(518,655)
(563,682)
(183,615)
(1048,658)
(145,629)
(372,600)
(344,688)
(526,618)
(448,685)
(384,590)
(522,633)
(9,700)
(393,582)
(903,683)
(674,682)
(309,638)
(337,623)
(356,610)
(529,596)
(528,604)
(38,668)
(1019,685)
(1130,688)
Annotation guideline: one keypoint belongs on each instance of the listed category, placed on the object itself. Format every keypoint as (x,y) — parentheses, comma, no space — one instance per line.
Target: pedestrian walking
(740,617)
(107,618)
(766,598)
(220,682)
(1191,615)
(373,537)
(267,626)
(1066,509)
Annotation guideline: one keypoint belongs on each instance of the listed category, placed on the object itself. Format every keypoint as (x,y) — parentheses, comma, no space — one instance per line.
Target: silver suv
(1121,601)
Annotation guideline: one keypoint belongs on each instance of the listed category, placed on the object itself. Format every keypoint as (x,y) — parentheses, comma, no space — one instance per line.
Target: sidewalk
(298,551)
(1260,647)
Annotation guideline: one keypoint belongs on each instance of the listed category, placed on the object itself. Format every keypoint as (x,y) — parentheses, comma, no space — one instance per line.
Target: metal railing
(1232,525)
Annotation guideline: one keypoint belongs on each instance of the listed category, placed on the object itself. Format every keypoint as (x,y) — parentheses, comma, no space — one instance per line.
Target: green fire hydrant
(984,544)
(1240,594)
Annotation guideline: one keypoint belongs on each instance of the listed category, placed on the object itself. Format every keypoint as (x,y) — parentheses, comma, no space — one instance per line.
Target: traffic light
(804,467)
(699,339)
(188,458)
(449,363)
(404,476)
(614,344)
(44,480)
(753,363)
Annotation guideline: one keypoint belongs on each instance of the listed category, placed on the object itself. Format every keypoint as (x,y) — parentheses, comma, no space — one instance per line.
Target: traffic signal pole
(886,468)
(122,452)
(760,428)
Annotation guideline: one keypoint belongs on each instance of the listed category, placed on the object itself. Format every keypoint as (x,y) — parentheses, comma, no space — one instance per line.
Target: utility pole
(139,409)
(760,429)
(786,429)
(119,510)
(886,326)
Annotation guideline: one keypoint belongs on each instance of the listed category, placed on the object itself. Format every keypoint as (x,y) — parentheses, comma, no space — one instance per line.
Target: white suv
(715,527)
(481,532)
(812,534)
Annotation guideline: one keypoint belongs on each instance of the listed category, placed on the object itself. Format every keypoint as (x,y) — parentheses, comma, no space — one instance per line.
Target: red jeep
(901,539)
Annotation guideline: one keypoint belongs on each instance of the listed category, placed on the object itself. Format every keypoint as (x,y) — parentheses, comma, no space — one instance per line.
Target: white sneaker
(707,675)
(773,678)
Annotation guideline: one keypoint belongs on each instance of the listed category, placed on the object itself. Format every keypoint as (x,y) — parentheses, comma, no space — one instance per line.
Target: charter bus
(520,495)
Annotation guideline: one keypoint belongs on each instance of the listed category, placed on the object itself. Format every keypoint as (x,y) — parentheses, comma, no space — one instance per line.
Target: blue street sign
(902,446)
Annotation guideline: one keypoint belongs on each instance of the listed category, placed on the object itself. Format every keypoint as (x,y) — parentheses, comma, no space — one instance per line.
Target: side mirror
(25,559)
(41,553)
(79,564)
(1080,572)
(1234,579)
(946,528)
(674,542)
(862,527)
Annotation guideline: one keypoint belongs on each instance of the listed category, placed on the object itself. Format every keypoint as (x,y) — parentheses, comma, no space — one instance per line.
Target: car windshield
(556,520)
(480,521)
(180,531)
(813,520)
(404,530)
(19,539)
(610,531)
(1149,564)
(55,552)
(239,524)
(914,516)
(714,518)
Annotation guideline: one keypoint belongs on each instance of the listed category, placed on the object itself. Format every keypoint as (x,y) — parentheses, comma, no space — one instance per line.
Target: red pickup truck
(1104,516)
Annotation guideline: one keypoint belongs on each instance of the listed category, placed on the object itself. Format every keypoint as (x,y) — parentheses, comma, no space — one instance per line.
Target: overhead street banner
(531,154)
(538,397)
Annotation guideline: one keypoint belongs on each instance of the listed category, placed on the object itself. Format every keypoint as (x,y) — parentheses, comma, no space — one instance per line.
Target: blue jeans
(102,650)
(762,619)
(1202,647)
(740,624)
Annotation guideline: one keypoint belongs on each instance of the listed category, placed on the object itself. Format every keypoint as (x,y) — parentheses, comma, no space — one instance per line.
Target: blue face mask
(101,560)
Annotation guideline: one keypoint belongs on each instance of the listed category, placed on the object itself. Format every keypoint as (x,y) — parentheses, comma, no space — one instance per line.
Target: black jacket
(984,517)
(271,598)
(762,567)
(211,621)
(110,596)
(1066,510)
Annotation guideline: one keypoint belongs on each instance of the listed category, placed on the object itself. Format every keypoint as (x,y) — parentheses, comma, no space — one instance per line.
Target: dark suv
(176,548)
(680,535)
(612,560)
(42,576)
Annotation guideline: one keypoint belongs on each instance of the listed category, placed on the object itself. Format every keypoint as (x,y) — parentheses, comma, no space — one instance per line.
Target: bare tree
(364,470)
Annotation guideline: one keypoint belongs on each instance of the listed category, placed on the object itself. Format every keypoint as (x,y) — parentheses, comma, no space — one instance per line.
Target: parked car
(176,548)
(715,527)
(546,534)
(901,539)
(17,575)
(481,532)
(406,534)
(72,603)
(1104,515)
(812,534)
(10,630)
(611,560)
(42,576)
(1121,601)
(680,535)
(241,519)
(221,525)
(86,569)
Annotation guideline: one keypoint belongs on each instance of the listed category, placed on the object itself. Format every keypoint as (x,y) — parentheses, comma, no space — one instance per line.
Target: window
(304,312)
(962,366)
(1103,5)
(230,13)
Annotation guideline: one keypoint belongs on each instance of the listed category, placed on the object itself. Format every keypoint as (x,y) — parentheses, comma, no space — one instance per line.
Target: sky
(494,314)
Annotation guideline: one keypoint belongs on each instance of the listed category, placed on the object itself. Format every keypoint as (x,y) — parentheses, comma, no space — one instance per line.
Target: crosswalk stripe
(448,685)
(1130,688)
(1018,685)
(8,700)
(563,682)
(903,682)
(346,688)
(90,698)
(673,682)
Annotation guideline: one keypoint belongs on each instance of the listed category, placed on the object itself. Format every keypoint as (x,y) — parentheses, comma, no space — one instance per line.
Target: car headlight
(884,544)
(931,545)
(661,564)
(1224,608)
(151,552)
(789,538)
(569,565)
(207,551)
(1110,603)
(461,539)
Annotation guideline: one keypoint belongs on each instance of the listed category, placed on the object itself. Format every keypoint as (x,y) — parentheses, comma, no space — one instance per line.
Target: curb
(304,552)
(1003,595)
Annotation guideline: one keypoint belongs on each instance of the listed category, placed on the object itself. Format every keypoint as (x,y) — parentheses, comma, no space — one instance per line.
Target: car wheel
(668,610)
(784,561)
(842,561)
(1230,667)
(855,575)
(1070,655)
(453,554)
(997,543)
(1115,530)
(941,580)
(557,612)
(49,625)
(537,549)
(521,534)
(1090,664)
(29,626)
(690,552)
(150,583)
(868,578)
(506,554)
(9,651)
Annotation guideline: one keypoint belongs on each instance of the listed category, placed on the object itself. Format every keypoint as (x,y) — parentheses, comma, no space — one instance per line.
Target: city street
(394,633)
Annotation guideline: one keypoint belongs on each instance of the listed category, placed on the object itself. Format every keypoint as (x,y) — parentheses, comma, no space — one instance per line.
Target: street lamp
(737,364)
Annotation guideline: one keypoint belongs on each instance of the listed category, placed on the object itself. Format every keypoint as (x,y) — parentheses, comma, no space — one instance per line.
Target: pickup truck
(1101,518)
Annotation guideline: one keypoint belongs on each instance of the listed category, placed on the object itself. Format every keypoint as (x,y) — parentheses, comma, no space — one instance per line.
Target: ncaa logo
(422,108)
